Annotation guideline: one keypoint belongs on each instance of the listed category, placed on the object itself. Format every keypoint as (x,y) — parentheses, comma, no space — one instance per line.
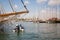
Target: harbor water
(32,31)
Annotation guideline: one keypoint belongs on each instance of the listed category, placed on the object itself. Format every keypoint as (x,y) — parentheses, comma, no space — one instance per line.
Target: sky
(42,9)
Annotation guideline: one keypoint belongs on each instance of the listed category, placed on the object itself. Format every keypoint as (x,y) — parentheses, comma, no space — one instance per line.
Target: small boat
(19,28)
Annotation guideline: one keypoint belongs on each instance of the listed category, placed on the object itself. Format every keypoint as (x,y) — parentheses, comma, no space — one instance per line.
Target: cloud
(49,13)
(40,1)
(26,2)
(54,2)
(15,6)
(50,2)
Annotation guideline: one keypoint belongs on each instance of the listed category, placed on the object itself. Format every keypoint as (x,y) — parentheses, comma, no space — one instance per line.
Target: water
(33,31)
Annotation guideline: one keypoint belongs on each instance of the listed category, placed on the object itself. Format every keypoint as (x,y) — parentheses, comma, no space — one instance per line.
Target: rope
(24,5)
(2,10)
(11,5)
(15,17)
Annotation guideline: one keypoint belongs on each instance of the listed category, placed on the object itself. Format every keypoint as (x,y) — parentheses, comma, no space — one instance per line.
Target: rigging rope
(11,5)
(24,5)
(15,17)
(2,10)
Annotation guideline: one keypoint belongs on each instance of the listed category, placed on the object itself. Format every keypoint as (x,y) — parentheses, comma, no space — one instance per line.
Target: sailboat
(5,15)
